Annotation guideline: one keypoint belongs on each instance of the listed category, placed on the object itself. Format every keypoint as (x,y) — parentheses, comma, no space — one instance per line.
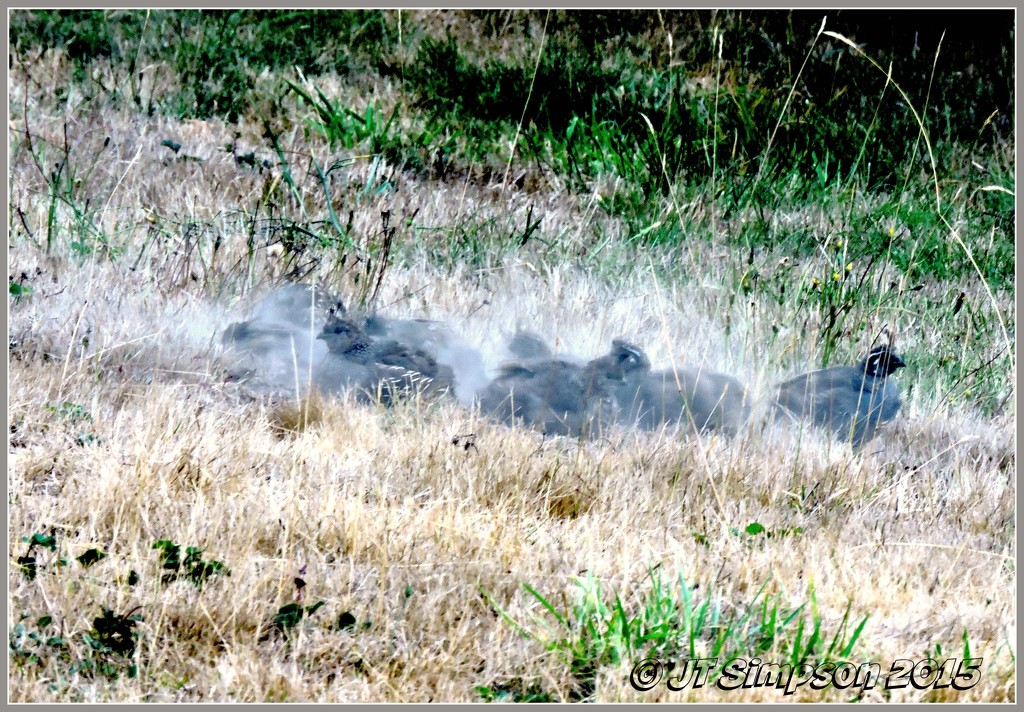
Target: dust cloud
(301,337)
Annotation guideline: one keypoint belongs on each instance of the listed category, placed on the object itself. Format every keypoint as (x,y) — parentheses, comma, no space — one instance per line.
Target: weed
(19,290)
(28,561)
(107,650)
(69,411)
(756,529)
(112,641)
(90,557)
(192,568)
(35,647)
(288,616)
(516,690)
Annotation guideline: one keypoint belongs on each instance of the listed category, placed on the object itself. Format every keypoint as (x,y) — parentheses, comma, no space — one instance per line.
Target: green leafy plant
(34,647)
(288,616)
(515,690)
(112,640)
(107,649)
(19,289)
(90,557)
(192,568)
(755,530)
(28,562)
(68,410)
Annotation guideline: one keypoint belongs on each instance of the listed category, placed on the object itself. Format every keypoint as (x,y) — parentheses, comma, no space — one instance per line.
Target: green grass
(620,106)
(668,621)
(215,55)
(622,113)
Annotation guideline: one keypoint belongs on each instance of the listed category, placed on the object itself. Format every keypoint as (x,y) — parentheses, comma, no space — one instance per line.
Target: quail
(276,344)
(392,368)
(347,338)
(851,401)
(704,400)
(560,397)
(334,375)
(439,341)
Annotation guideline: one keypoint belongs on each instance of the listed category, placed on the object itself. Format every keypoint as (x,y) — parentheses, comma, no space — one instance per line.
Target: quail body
(459,362)
(851,401)
(702,399)
(334,375)
(529,346)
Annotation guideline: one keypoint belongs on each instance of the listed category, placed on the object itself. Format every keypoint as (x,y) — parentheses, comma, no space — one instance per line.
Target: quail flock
(300,333)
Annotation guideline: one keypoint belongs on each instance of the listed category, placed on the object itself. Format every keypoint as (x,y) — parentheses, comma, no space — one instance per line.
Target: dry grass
(384,516)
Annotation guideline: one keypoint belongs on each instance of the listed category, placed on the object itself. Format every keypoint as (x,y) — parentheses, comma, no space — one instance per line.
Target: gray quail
(393,369)
(851,401)
(439,341)
(560,397)
(276,344)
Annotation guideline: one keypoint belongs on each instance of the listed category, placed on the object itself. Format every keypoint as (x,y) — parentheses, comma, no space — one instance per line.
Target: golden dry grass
(384,516)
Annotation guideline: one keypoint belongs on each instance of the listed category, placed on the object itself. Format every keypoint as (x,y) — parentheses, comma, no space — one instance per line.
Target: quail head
(623,361)
(346,338)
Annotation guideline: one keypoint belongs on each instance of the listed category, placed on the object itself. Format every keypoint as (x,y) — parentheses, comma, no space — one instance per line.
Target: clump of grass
(298,417)
(667,622)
